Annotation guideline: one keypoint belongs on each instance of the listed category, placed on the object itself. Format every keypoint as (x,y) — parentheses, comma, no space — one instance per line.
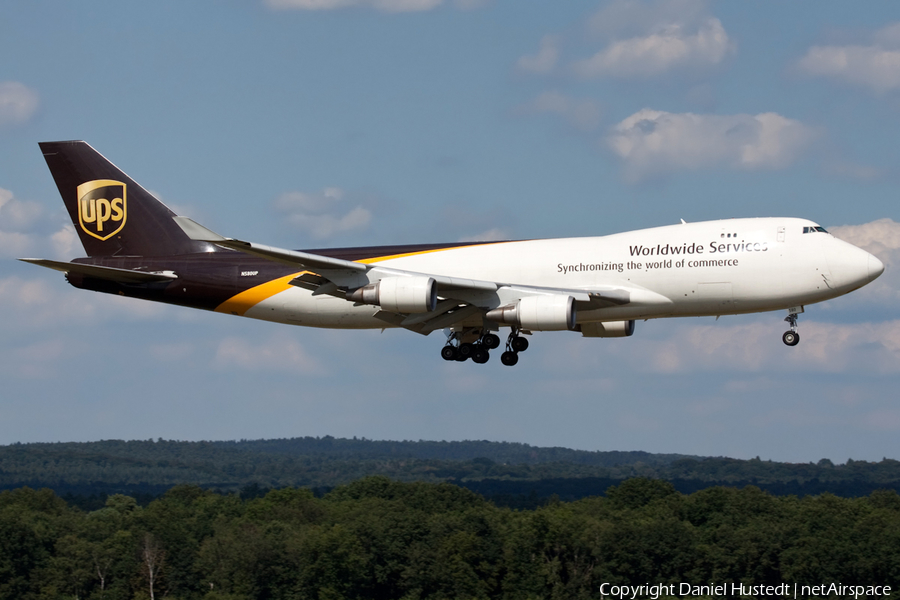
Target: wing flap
(425,324)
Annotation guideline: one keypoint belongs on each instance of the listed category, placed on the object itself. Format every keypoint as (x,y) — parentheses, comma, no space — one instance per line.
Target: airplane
(596,286)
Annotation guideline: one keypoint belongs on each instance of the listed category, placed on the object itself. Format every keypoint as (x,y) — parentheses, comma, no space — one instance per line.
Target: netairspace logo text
(784,590)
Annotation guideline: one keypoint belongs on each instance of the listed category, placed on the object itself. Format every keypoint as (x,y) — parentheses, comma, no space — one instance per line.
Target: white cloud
(16,245)
(17,240)
(641,39)
(825,347)
(276,354)
(16,215)
(881,238)
(65,242)
(875,65)
(546,58)
(326,226)
(494,234)
(854,170)
(61,245)
(320,214)
(754,347)
(674,46)
(626,18)
(18,103)
(309,202)
(583,114)
(652,142)
(395,6)
(48,302)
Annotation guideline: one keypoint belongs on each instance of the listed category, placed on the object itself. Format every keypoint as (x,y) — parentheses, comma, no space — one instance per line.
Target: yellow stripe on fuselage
(369,261)
(241,303)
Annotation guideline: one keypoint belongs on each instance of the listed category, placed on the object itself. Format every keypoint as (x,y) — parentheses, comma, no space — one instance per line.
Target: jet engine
(538,313)
(399,294)
(607,329)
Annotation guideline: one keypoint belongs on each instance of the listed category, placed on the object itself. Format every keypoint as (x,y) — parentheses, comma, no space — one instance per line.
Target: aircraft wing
(460,298)
(198,232)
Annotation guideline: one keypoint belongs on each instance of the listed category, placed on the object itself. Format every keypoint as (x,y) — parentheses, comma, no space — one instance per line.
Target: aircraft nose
(876,267)
(851,267)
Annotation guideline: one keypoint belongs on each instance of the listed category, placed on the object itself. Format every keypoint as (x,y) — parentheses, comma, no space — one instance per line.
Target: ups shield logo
(102,207)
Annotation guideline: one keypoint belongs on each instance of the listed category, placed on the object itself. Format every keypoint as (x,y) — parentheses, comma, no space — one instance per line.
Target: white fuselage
(696,269)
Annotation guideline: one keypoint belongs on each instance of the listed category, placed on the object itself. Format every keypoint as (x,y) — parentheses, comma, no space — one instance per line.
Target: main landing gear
(792,337)
(479,350)
(514,344)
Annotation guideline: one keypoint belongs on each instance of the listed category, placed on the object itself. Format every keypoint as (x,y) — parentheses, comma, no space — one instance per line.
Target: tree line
(376,538)
(148,468)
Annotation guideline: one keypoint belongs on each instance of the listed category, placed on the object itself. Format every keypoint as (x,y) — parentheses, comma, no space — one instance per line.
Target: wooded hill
(381,539)
(513,474)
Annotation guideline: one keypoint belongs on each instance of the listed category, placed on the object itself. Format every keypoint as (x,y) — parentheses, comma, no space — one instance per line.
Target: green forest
(381,539)
(515,475)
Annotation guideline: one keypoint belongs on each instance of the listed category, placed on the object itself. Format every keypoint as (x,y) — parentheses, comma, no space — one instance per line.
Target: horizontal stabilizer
(105,273)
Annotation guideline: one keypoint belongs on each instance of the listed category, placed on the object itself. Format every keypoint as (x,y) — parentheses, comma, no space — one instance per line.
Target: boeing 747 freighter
(595,286)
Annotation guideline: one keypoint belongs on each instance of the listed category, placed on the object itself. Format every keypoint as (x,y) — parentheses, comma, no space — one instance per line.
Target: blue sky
(316,123)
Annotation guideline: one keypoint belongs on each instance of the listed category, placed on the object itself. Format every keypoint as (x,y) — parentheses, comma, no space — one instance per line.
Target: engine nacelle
(538,313)
(607,329)
(399,294)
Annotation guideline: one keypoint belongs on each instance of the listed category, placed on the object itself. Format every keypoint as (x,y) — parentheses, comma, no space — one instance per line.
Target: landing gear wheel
(519,344)
(509,358)
(466,350)
(491,341)
(791,338)
(480,356)
(449,353)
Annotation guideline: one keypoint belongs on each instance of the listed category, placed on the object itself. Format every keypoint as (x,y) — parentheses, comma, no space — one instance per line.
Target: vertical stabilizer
(113,215)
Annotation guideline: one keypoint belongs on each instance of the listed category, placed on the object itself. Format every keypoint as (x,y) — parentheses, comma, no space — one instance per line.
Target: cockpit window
(815,229)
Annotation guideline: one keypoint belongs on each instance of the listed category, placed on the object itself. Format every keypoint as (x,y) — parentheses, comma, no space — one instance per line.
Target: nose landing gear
(792,337)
